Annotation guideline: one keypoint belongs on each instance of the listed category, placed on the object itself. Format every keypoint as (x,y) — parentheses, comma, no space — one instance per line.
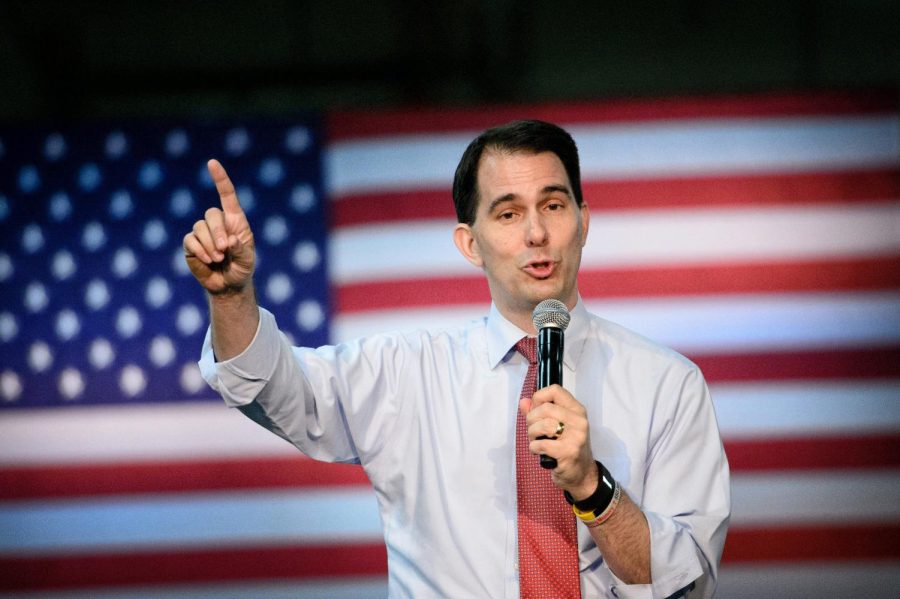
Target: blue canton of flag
(98,305)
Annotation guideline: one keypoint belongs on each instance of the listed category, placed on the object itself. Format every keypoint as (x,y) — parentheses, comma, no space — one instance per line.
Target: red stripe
(192,566)
(367,208)
(815,453)
(69,481)
(837,543)
(744,190)
(840,364)
(793,544)
(411,293)
(676,192)
(353,124)
(864,274)
(38,482)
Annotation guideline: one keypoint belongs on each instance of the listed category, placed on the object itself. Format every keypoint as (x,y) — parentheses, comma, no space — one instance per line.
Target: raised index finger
(229,199)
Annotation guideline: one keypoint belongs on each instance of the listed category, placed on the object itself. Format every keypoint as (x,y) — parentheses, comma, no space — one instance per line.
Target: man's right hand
(220,250)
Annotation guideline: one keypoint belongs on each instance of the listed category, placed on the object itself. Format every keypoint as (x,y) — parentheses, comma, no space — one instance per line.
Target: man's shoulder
(455,334)
(624,340)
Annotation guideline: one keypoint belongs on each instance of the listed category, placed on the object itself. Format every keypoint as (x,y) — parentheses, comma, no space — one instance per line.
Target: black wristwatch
(594,505)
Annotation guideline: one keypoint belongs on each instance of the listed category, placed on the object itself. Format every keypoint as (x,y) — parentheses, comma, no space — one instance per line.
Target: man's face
(528,232)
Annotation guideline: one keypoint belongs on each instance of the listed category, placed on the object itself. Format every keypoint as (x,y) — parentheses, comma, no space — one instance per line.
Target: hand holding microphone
(550,318)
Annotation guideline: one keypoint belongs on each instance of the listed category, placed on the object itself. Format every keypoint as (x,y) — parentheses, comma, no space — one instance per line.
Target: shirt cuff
(674,559)
(674,563)
(240,379)
(639,591)
(630,591)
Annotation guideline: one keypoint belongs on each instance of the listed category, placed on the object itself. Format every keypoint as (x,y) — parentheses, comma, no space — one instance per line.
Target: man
(432,416)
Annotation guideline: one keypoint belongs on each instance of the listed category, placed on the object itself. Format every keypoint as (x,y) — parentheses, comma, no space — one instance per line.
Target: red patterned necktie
(548,541)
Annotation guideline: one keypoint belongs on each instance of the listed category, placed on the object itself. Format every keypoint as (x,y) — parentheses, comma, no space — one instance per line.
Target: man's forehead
(496,153)
(498,162)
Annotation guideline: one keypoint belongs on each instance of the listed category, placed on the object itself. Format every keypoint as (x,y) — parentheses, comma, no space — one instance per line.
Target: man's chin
(540,293)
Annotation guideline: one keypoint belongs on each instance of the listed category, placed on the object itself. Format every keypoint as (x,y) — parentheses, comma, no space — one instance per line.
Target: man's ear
(466,244)
(585,222)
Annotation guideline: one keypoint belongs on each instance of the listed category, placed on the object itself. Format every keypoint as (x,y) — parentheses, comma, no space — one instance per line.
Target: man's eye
(506,215)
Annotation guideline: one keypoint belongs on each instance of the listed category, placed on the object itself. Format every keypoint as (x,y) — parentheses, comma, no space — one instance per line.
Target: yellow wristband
(591,519)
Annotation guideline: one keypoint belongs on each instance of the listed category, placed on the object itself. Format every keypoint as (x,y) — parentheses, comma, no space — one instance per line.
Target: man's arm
(248,361)
(674,538)
(233,319)
(220,252)
(624,539)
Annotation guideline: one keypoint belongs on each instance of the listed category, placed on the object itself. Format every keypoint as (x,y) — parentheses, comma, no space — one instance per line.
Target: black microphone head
(550,313)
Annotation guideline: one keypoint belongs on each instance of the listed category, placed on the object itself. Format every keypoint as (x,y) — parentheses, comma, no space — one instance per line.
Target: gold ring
(560,427)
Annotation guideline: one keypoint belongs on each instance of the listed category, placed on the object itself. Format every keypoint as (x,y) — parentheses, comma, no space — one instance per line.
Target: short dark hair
(532,137)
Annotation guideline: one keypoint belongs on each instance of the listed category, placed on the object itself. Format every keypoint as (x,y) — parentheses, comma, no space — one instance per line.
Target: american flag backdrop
(760,236)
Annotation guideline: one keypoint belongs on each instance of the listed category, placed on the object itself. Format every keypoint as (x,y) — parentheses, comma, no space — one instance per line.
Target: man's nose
(536,231)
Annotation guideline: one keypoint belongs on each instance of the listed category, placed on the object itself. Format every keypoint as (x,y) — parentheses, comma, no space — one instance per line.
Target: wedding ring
(560,427)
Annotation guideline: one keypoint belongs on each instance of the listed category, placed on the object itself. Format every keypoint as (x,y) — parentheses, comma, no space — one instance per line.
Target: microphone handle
(550,365)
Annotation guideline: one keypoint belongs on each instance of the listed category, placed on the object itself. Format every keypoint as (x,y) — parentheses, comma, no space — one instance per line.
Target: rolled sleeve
(629,591)
(241,379)
(687,496)
(270,383)
(674,563)
(673,554)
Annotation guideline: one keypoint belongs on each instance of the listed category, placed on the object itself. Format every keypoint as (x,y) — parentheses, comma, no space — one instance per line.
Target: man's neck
(525,324)
(523,317)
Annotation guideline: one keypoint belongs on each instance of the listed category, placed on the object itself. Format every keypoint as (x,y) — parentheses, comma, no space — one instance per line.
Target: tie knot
(527,346)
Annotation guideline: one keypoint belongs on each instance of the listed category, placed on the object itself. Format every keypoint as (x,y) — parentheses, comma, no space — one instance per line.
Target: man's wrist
(600,499)
(588,484)
(234,320)
(231,293)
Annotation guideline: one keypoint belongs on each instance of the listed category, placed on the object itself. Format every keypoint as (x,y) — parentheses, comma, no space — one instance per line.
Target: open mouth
(540,270)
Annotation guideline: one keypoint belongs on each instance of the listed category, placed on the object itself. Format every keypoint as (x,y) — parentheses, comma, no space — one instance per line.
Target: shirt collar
(502,335)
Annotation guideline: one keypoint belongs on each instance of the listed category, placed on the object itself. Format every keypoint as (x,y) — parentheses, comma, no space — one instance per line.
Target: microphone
(550,318)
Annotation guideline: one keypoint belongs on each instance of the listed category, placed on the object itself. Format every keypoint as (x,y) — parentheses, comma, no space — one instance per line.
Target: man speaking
(449,424)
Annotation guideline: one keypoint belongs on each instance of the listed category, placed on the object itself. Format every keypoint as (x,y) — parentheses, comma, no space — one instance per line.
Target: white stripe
(792,580)
(123,433)
(355,587)
(396,251)
(235,519)
(639,238)
(749,145)
(719,235)
(697,324)
(352,325)
(395,162)
(831,497)
(132,433)
(658,148)
(760,410)
(761,322)
(736,581)
(190,520)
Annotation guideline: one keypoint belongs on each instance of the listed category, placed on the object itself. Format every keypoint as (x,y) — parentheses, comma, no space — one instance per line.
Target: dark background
(77,60)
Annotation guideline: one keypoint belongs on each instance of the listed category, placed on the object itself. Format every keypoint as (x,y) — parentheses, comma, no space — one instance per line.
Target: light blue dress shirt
(431,417)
